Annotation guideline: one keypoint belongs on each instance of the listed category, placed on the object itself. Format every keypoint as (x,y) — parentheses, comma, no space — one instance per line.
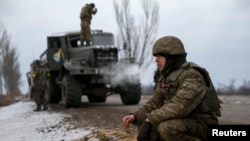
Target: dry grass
(108,135)
(9,99)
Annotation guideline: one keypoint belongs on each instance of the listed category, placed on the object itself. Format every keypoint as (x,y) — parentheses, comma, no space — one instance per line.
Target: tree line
(231,89)
(10,75)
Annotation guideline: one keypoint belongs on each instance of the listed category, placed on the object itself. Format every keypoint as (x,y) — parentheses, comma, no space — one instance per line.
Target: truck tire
(71,92)
(53,92)
(130,94)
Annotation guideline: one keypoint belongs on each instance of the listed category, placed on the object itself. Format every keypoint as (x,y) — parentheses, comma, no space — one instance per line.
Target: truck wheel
(130,94)
(53,92)
(71,92)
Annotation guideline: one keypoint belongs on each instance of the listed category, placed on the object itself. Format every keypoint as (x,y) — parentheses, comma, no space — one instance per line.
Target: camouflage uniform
(86,17)
(180,109)
(39,77)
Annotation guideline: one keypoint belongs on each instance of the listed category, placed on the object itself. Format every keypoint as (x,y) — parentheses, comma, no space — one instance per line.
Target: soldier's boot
(155,136)
(45,104)
(45,108)
(38,108)
(144,132)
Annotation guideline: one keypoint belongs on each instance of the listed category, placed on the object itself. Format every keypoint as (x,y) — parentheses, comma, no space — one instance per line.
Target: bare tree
(1,80)
(9,64)
(245,88)
(137,39)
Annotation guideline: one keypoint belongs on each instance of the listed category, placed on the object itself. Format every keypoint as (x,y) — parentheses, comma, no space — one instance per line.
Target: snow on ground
(18,122)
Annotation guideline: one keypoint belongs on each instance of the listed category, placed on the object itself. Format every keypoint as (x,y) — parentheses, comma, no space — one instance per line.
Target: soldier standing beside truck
(86,17)
(39,75)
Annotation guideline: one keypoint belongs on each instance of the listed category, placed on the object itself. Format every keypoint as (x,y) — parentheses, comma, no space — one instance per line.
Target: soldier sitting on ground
(184,101)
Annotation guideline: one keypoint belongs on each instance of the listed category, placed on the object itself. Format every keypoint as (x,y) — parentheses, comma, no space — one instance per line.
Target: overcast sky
(215,33)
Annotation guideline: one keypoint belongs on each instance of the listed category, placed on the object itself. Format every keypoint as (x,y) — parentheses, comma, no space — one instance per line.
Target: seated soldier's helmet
(168,45)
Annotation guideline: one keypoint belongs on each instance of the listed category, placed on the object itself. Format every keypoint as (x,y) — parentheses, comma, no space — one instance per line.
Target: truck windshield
(97,40)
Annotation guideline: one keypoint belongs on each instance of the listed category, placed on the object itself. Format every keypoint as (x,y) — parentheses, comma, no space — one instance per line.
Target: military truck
(76,70)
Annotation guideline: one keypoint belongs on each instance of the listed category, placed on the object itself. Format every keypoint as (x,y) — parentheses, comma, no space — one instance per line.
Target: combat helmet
(168,45)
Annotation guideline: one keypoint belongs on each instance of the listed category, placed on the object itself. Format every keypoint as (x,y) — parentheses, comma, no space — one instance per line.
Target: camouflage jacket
(177,95)
(86,13)
(39,75)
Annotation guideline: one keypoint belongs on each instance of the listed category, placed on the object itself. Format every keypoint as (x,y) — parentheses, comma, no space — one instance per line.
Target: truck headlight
(74,62)
(83,62)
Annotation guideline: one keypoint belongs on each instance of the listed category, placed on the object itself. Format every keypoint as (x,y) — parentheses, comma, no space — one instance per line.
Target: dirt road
(109,114)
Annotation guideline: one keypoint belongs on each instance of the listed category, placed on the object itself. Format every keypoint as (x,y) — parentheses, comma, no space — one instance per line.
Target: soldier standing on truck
(184,102)
(39,75)
(86,17)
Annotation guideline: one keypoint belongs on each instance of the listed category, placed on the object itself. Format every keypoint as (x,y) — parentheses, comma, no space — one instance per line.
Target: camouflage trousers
(183,129)
(40,99)
(85,31)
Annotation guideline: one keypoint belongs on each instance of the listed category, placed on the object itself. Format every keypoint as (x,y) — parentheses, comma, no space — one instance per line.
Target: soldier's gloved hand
(144,132)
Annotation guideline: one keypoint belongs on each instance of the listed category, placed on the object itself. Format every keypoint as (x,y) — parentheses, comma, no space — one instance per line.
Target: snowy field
(18,122)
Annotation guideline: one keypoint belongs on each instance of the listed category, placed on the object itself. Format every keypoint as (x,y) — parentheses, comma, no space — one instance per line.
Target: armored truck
(95,71)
